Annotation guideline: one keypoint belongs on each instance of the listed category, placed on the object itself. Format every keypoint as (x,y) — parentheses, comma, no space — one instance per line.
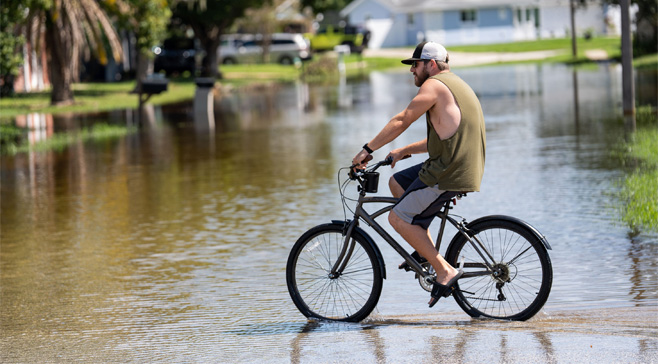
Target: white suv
(285,48)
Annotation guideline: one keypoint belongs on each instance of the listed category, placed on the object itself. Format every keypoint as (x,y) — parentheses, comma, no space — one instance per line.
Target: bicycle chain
(482,299)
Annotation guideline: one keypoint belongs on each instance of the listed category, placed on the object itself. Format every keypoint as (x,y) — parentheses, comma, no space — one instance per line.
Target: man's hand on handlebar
(396,155)
(361,160)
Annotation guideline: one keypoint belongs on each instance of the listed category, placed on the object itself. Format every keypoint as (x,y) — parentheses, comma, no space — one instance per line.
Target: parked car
(177,55)
(285,48)
(330,36)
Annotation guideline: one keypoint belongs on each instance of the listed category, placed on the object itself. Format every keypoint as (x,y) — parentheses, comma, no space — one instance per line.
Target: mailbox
(154,86)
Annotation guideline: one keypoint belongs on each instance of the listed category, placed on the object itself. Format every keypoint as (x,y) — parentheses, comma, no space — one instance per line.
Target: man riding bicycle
(456,143)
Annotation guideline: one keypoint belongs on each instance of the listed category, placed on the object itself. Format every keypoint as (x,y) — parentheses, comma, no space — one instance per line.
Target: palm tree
(73,28)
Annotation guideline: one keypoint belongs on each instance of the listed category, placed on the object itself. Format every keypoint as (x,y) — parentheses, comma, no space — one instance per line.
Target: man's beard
(420,78)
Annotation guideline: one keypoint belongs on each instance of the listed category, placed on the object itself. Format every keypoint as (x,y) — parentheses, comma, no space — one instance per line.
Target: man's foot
(417,257)
(444,290)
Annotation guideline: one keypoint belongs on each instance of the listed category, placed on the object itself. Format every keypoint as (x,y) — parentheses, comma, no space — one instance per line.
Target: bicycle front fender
(361,233)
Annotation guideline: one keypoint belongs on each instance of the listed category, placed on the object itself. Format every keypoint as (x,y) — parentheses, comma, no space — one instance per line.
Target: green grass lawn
(611,44)
(639,189)
(92,97)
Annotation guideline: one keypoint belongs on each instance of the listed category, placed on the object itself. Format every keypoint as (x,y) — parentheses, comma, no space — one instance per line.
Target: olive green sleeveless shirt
(457,163)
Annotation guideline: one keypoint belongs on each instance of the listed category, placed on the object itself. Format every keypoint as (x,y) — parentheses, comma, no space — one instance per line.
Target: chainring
(426,283)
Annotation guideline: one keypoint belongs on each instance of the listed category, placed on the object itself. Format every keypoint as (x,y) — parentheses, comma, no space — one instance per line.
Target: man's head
(429,58)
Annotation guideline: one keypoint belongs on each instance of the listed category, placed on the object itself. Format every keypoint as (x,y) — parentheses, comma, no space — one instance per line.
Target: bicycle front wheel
(520,280)
(350,295)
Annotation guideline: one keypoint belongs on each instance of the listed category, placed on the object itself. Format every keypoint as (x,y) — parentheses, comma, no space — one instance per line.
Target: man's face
(421,74)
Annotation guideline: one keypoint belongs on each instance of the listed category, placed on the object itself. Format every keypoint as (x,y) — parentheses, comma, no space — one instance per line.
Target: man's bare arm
(422,102)
(413,148)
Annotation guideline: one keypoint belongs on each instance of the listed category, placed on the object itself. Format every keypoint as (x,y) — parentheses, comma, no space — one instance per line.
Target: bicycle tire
(524,268)
(351,296)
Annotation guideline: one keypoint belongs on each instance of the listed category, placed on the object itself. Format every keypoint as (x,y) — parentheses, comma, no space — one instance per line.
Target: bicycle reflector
(371,181)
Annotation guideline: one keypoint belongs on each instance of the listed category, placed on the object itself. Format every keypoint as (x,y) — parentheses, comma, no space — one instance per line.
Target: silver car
(285,48)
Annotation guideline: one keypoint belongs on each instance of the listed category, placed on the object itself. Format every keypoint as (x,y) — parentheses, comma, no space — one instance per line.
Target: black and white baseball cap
(428,50)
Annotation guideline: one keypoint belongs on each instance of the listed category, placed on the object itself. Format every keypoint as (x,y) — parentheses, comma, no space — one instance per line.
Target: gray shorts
(420,203)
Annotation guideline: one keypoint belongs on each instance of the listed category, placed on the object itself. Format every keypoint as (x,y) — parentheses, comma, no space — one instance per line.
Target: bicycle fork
(345,253)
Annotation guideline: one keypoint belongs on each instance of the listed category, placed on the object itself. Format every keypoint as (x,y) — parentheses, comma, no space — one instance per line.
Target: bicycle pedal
(418,259)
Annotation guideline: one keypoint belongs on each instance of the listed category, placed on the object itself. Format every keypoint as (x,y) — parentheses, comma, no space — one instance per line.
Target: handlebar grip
(365,160)
(389,160)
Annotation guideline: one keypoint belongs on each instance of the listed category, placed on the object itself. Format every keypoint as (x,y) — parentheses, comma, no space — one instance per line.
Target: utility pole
(628,82)
(574,50)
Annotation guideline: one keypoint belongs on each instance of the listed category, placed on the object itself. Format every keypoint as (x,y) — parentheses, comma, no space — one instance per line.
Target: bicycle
(335,271)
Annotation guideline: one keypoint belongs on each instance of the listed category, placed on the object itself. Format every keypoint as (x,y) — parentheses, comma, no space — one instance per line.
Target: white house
(397,23)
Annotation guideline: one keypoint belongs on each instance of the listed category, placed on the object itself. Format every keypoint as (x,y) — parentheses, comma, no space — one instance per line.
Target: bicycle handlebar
(386,162)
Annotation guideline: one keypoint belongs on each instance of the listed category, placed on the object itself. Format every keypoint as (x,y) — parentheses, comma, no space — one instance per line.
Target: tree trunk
(210,40)
(7,85)
(211,66)
(144,68)
(59,67)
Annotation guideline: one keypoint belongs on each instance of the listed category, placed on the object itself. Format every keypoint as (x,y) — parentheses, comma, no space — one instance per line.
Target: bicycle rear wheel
(348,296)
(521,280)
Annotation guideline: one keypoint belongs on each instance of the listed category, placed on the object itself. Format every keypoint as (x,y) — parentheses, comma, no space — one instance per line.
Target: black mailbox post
(151,86)
(154,86)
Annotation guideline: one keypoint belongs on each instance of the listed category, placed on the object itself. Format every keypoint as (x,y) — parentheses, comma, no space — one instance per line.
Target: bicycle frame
(443,215)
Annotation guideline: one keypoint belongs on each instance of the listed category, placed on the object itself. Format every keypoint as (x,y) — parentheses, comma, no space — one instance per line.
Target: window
(282,41)
(537,18)
(502,14)
(410,19)
(468,16)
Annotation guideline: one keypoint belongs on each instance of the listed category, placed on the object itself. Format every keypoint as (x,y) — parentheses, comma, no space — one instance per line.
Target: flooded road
(170,245)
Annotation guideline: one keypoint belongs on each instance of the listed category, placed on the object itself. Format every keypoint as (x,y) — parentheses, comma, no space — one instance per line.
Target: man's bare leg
(420,240)
(395,187)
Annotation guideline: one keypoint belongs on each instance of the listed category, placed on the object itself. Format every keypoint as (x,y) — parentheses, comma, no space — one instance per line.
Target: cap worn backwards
(428,50)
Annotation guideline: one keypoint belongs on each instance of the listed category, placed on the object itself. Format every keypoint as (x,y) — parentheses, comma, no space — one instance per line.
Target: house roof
(413,6)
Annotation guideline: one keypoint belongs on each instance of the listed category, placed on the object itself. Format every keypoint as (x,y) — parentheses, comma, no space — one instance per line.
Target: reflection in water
(170,244)
(363,342)
(394,341)
(269,106)
(39,126)
(576,103)
(643,272)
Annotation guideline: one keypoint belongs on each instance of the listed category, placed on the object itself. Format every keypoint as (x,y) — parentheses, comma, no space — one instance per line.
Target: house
(33,73)
(398,23)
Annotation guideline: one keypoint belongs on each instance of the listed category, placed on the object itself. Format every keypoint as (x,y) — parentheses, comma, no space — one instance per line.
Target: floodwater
(170,245)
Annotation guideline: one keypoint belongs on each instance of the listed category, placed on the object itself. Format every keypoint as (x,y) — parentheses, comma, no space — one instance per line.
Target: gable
(362,10)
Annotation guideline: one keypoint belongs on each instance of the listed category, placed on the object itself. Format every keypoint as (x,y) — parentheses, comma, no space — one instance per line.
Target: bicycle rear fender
(529,228)
(357,230)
